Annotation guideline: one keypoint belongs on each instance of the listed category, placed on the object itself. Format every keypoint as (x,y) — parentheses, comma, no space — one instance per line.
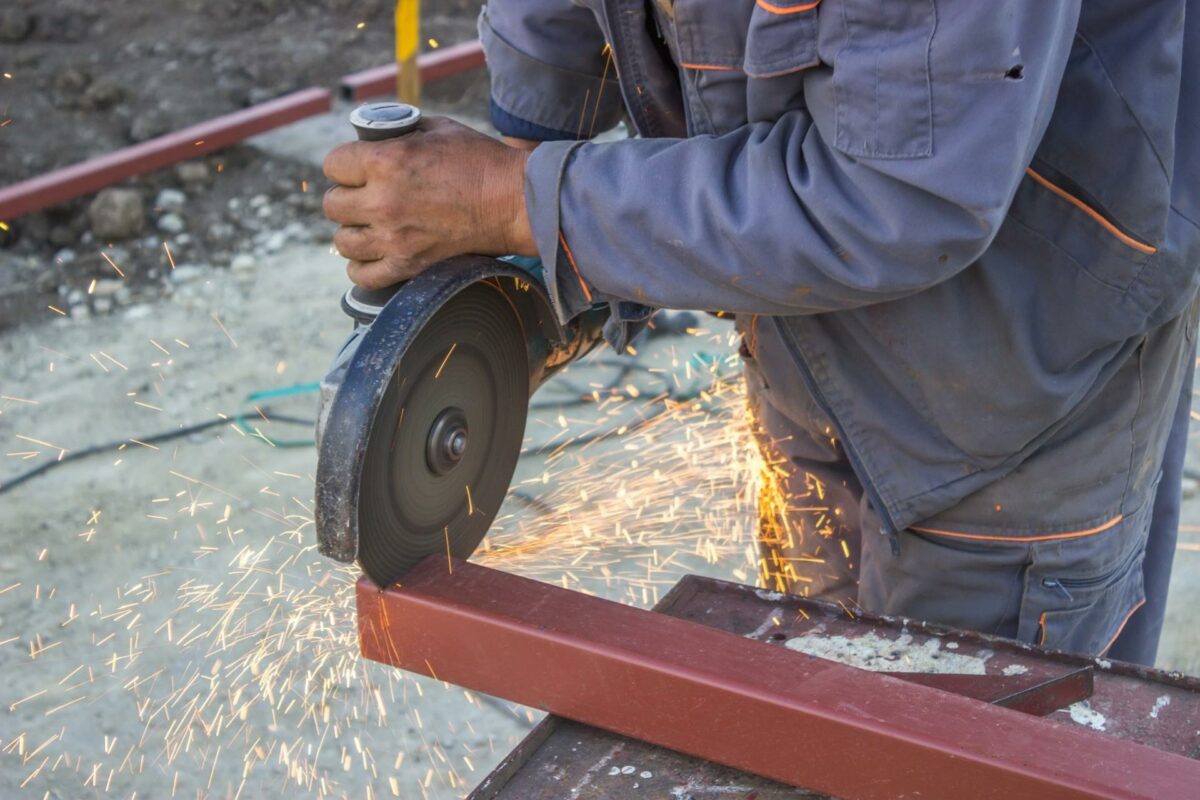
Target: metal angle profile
(718,696)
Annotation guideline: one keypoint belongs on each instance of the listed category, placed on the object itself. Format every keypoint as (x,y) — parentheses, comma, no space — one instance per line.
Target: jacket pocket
(881,79)
(781,38)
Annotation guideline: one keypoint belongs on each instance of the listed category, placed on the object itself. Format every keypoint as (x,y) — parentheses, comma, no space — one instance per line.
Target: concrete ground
(166,627)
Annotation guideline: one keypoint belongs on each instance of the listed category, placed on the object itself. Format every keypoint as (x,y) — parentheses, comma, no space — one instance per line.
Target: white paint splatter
(951,645)
(773,597)
(1015,669)
(1159,705)
(645,775)
(1082,713)
(876,653)
(693,787)
(628,770)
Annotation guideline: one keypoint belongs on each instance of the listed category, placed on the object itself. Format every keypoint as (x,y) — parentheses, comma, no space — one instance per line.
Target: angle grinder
(422,414)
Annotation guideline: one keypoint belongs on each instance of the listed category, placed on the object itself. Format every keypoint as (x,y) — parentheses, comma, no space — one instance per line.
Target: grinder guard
(352,392)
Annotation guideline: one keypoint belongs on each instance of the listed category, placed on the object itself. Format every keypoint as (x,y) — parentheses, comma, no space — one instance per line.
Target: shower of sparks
(629,485)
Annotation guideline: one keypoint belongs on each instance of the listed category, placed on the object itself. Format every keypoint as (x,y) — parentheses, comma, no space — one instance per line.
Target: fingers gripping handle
(375,122)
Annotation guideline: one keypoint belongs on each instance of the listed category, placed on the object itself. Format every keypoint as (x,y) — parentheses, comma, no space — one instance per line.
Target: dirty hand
(441,191)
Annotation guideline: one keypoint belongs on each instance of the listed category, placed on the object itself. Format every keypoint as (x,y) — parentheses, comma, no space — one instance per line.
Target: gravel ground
(101,76)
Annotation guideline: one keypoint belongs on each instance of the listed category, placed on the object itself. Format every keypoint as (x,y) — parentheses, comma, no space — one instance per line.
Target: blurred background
(166,625)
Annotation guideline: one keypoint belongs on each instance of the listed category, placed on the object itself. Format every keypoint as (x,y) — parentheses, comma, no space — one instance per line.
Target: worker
(960,241)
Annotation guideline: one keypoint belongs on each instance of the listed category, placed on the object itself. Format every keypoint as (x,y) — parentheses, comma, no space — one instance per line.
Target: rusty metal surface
(1053,695)
(1139,704)
(1038,696)
(563,759)
(440,63)
(88,176)
(751,705)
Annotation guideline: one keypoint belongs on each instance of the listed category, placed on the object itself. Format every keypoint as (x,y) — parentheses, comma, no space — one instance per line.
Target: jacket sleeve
(816,211)
(551,71)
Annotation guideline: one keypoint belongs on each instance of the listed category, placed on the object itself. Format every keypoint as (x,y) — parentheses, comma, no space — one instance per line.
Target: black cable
(165,436)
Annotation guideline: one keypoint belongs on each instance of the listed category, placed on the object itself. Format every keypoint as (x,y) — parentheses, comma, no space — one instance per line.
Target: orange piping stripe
(586,292)
(1093,213)
(1124,622)
(774,9)
(716,67)
(1042,625)
(1048,537)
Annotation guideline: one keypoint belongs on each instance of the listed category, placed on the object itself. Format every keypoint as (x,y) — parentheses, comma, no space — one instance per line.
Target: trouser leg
(1138,642)
(1071,593)
(809,527)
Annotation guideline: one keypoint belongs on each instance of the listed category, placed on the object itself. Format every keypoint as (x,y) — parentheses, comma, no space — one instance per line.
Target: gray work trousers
(1103,594)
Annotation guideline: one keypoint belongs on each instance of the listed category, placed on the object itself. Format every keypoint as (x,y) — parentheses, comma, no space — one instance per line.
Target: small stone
(258,201)
(1190,487)
(297,232)
(103,93)
(171,223)
(170,200)
(107,287)
(258,95)
(15,24)
(263,212)
(187,273)
(242,262)
(75,297)
(123,294)
(183,239)
(148,125)
(275,242)
(102,305)
(192,172)
(116,213)
(64,256)
(71,81)
(61,236)
(221,231)
(234,203)
(138,312)
(197,49)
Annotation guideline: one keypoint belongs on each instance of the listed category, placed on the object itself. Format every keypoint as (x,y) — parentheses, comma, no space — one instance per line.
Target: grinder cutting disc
(445,438)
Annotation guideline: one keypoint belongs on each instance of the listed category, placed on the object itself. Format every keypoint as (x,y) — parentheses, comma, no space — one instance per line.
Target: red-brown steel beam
(759,708)
(88,176)
(440,63)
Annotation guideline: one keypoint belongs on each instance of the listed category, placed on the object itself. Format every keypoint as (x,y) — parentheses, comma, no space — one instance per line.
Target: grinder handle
(375,122)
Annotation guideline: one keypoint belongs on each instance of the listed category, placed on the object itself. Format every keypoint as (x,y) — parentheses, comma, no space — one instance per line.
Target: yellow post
(408,35)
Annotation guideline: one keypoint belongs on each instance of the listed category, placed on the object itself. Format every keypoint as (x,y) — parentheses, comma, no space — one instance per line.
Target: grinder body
(422,412)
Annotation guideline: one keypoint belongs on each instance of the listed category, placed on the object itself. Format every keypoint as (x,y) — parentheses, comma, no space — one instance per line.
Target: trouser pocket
(1079,594)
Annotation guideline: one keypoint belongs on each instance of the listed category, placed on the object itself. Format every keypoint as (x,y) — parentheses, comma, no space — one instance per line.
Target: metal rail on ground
(58,186)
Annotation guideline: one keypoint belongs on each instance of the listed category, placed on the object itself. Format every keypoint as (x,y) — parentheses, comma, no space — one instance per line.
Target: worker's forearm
(798,215)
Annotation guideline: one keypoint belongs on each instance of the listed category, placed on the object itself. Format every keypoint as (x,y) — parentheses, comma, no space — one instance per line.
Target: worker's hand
(441,191)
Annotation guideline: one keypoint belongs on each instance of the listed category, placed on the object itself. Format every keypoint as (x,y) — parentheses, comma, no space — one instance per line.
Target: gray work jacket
(962,236)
